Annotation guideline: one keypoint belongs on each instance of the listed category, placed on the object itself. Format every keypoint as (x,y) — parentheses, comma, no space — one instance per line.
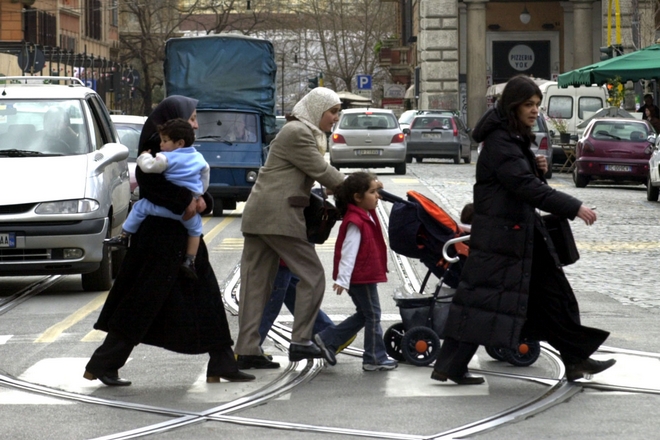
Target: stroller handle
(389,197)
(448,259)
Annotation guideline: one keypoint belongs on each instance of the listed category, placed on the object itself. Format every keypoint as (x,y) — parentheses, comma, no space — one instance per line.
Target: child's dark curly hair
(356,183)
(178,129)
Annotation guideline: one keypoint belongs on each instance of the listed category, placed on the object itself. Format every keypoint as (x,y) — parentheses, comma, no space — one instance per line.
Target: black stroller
(419,228)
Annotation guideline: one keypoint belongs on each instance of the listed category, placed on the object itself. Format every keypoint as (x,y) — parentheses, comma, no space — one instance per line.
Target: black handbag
(320,217)
(562,238)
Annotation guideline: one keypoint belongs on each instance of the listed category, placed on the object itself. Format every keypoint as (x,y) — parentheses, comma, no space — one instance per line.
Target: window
(93,19)
(560,107)
(589,104)
(40,28)
(114,20)
(227,126)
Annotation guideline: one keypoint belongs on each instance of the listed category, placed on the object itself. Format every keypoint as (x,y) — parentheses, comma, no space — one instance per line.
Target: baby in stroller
(420,229)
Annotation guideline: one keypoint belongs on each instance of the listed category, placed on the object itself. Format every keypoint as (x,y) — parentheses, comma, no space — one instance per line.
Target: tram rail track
(296,374)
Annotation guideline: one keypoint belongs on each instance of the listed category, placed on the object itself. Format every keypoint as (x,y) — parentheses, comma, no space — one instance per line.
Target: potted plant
(561,125)
(615,91)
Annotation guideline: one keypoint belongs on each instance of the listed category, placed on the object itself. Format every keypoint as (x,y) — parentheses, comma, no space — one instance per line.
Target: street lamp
(525,16)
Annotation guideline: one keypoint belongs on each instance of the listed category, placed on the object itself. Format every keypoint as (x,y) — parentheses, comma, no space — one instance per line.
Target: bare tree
(336,37)
(341,35)
(147,24)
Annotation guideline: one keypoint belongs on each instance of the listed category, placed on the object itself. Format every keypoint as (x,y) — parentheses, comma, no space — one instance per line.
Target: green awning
(641,64)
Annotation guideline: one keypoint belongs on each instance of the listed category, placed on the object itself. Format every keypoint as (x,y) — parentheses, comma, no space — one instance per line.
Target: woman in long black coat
(150,302)
(512,285)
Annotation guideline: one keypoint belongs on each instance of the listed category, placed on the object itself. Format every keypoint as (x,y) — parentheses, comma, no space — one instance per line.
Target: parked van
(572,104)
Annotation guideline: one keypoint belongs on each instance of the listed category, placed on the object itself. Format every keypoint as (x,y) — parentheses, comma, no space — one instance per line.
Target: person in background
(57,133)
(240,132)
(274,227)
(149,303)
(653,117)
(512,286)
(648,103)
(360,263)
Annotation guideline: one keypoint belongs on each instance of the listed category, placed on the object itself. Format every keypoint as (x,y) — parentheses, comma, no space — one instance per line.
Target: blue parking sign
(363,82)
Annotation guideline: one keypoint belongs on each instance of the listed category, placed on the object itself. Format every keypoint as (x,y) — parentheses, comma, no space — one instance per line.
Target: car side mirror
(651,139)
(551,133)
(468,129)
(406,131)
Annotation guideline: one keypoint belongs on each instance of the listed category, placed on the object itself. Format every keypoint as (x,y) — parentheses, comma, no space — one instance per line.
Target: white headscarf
(310,109)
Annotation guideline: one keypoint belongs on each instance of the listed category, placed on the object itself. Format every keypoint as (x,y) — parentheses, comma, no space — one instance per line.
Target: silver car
(368,138)
(65,179)
(438,135)
(543,142)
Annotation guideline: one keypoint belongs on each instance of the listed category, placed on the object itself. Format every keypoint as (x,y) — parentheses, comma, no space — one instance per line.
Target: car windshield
(129,135)
(47,127)
(227,126)
(430,122)
(617,131)
(407,116)
(369,120)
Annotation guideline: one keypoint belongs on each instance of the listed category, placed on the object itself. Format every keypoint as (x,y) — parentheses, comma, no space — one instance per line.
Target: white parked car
(129,128)
(653,182)
(60,155)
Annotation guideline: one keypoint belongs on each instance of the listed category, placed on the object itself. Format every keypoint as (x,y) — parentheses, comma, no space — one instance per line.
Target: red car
(614,149)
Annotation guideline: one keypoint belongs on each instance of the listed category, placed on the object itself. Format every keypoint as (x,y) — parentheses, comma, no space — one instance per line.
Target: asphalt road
(47,340)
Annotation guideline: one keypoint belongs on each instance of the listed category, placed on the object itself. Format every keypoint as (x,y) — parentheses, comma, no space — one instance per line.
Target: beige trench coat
(276,202)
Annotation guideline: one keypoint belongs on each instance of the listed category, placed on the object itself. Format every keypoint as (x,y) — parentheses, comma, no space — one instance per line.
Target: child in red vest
(360,263)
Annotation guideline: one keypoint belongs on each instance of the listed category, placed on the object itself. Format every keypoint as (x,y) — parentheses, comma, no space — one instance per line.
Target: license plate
(7,240)
(432,135)
(620,168)
(368,152)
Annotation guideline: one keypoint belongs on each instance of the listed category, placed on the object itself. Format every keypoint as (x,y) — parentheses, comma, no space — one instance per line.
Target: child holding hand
(360,263)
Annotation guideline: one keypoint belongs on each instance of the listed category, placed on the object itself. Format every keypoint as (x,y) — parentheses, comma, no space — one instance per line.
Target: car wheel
(468,158)
(408,158)
(457,158)
(218,207)
(652,192)
(580,180)
(101,278)
(400,169)
(419,159)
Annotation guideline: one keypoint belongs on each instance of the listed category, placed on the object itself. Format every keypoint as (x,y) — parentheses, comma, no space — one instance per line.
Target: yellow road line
(223,224)
(236,244)
(56,330)
(94,336)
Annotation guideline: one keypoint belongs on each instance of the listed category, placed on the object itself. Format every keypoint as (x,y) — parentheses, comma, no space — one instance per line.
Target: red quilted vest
(371,262)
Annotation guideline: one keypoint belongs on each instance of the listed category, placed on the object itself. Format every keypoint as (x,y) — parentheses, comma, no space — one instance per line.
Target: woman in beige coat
(274,227)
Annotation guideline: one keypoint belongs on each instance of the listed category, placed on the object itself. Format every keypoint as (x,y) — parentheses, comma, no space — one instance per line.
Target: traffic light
(617,49)
(320,79)
(606,53)
(312,83)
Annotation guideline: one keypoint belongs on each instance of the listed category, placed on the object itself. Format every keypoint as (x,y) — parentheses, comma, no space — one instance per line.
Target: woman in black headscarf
(149,302)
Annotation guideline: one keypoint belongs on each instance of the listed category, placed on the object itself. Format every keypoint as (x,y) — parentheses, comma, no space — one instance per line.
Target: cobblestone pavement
(619,254)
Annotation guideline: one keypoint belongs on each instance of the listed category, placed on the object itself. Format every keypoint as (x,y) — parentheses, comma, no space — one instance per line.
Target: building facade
(448,52)
(77,38)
